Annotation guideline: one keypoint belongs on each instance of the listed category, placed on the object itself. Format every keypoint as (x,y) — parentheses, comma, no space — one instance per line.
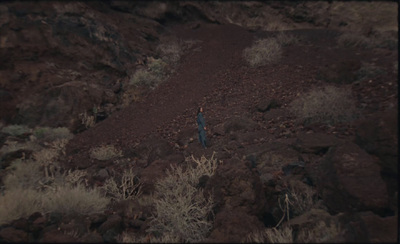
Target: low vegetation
(262,52)
(328,105)
(105,152)
(15,130)
(374,39)
(127,187)
(150,76)
(182,210)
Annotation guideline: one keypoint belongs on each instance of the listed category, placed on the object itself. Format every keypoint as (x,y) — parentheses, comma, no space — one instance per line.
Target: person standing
(201,127)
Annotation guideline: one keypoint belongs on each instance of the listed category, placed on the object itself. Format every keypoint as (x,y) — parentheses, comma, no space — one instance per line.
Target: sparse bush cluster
(263,52)
(182,210)
(327,105)
(152,75)
(269,50)
(128,187)
(28,190)
(368,70)
(15,130)
(373,40)
(105,152)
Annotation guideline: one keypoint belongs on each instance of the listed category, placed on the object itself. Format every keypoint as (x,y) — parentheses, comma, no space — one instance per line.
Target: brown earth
(259,147)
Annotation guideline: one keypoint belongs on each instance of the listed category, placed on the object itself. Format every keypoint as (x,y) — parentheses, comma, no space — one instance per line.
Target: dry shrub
(25,193)
(327,105)
(105,152)
(271,235)
(182,210)
(263,52)
(151,76)
(375,39)
(128,187)
(355,40)
(170,52)
(13,146)
(52,134)
(302,197)
(126,237)
(286,39)
(15,130)
(87,120)
(319,233)
(23,174)
(17,203)
(73,199)
(368,71)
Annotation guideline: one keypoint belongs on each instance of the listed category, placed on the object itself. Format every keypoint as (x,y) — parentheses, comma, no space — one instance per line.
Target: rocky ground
(262,150)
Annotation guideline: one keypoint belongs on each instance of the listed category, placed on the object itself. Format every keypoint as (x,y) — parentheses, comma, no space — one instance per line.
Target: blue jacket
(200,121)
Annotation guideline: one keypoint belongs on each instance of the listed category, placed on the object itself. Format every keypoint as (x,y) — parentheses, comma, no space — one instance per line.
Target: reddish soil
(217,77)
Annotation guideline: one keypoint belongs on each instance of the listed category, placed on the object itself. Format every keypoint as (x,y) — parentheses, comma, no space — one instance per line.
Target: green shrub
(328,105)
(15,130)
(263,52)
(105,152)
(182,210)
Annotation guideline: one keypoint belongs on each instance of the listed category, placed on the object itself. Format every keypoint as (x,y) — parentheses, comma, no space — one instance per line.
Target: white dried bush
(182,210)
(281,235)
(128,187)
(302,197)
(15,130)
(204,166)
(263,52)
(328,105)
(105,152)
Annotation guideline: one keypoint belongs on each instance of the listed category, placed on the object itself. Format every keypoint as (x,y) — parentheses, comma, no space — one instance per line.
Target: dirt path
(175,101)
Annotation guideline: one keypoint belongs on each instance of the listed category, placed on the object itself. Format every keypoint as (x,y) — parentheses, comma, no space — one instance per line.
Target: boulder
(266,105)
(151,174)
(10,234)
(235,185)
(348,179)
(233,226)
(378,135)
(316,143)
